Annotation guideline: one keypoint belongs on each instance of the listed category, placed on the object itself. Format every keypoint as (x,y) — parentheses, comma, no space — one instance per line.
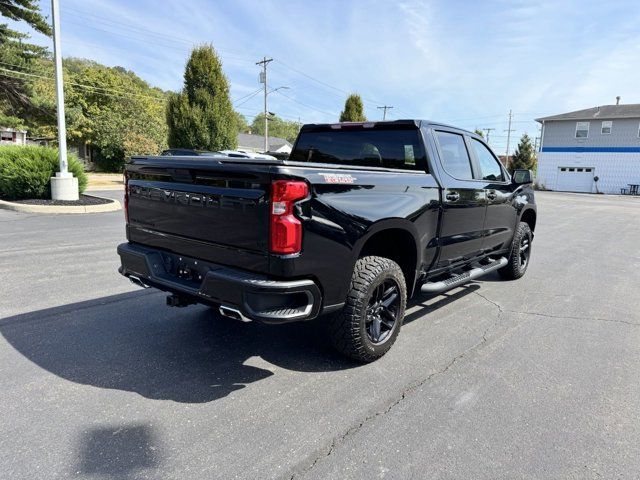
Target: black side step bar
(456,281)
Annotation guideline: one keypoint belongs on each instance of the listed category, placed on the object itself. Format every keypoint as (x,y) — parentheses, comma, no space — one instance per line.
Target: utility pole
(64,186)
(508,130)
(384,113)
(263,79)
(538,139)
(488,130)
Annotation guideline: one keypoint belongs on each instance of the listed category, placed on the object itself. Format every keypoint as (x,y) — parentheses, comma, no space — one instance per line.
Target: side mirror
(522,176)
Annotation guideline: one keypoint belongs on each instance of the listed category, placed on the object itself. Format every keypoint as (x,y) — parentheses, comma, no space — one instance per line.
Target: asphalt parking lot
(536,378)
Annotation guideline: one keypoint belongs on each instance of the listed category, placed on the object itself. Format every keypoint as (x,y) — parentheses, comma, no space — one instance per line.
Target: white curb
(112,206)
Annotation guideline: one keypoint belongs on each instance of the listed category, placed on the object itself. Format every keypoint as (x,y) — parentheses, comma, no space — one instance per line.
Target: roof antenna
(618,100)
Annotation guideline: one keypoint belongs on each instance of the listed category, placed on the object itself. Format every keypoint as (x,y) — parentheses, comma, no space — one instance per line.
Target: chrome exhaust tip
(137,281)
(231,312)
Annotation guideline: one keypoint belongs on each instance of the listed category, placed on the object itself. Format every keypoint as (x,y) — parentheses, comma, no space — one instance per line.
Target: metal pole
(264,63)
(506,160)
(266,120)
(488,130)
(57,55)
(384,111)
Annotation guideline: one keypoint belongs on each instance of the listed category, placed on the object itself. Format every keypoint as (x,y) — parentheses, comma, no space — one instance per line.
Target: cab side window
(489,166)
(455,158)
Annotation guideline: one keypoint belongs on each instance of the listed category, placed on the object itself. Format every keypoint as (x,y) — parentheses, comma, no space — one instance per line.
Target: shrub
(25,171)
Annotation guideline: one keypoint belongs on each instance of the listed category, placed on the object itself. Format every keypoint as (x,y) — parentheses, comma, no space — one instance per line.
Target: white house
(11,136)
(255,143)
(600,143)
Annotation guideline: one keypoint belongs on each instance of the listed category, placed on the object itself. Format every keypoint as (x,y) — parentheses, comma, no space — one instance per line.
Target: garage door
(575,179)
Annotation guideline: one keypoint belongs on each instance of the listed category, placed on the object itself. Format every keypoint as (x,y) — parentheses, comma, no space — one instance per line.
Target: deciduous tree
(278,127)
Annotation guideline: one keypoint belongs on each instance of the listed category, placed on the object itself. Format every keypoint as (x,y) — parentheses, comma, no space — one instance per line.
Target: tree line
(119,114)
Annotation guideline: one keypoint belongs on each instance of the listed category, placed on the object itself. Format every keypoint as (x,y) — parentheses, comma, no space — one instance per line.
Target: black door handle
(491,195)
(453,196)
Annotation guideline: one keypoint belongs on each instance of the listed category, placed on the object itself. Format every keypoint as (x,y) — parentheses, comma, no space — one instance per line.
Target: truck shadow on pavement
(133,342)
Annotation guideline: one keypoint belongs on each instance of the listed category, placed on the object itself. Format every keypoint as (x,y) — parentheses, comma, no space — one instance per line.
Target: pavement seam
(337,441)
(560,317)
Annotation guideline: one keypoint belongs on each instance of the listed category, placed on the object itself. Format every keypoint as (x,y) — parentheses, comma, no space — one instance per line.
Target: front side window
(606,127)
(455,158)
(489,166)
(392,148)
(582,129)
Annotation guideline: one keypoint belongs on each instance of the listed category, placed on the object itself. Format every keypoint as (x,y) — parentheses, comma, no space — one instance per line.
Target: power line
(250,95)
(137,30)
(308,106)
(320,82)
(80,85)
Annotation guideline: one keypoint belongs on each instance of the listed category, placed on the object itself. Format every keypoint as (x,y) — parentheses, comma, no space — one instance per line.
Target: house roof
(8,129)
(257,141)
(631,110)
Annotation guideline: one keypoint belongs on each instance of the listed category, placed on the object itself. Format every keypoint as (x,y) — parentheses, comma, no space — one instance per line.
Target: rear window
(401,149)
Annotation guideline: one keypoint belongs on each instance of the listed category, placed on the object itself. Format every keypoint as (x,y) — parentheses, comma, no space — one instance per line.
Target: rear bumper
(255,296)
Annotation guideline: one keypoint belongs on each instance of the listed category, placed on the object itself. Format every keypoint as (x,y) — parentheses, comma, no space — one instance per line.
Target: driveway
(536,378)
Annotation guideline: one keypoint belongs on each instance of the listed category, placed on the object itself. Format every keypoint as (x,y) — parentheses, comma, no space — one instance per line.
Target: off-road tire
(515,268)
(347,328)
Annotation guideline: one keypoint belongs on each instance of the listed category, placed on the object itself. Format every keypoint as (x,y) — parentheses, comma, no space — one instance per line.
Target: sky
(467,63)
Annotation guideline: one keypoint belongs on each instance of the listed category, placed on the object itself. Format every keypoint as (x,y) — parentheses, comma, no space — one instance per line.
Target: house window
(582,129)
(606,127)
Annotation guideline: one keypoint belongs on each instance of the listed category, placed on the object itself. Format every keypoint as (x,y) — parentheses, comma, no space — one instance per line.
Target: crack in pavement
(501,310)
(337,441)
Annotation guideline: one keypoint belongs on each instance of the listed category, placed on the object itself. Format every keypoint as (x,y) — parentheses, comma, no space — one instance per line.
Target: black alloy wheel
(382,311)
(520,254)
(524,251)
(371,319)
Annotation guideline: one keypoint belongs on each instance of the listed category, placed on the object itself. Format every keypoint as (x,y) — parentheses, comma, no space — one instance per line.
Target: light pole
(267,114)
(64,186)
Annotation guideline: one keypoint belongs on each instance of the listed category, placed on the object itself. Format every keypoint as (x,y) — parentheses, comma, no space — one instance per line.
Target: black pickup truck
(361,217)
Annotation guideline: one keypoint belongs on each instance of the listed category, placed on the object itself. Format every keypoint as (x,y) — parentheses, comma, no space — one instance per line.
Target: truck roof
(415,123)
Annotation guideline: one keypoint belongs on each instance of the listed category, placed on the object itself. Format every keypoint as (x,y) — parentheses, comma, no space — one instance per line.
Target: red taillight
(286,229)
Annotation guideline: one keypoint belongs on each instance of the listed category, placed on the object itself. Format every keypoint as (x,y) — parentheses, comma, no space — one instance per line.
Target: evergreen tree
(353,109)
(27,11)
(524,156)
(479,132)
(201,116)
(17,54)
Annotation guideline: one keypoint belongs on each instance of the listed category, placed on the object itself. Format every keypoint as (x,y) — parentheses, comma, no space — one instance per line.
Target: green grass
(26,171)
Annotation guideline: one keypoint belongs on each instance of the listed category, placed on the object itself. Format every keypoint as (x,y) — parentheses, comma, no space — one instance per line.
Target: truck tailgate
(201,207)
